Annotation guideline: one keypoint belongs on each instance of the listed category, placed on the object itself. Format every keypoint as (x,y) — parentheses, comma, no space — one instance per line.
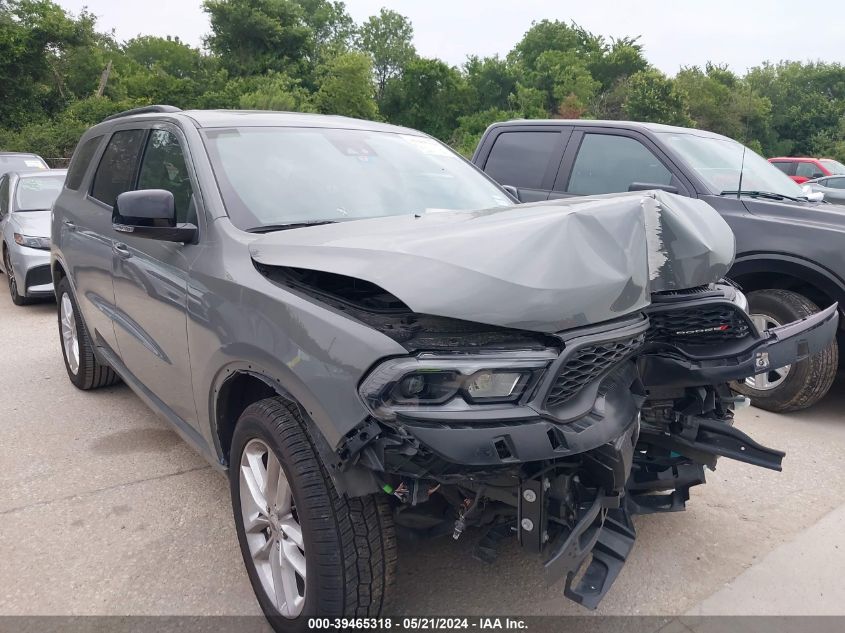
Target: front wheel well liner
(235,394)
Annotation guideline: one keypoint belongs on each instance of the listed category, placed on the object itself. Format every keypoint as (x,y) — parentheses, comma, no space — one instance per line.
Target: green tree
(429,96)
(276,91)
(492,81)
(346,87)
(651,96)
(257,36)
(388,38)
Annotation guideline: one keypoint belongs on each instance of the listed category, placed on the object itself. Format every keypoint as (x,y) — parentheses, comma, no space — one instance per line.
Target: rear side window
(80,161)
(809,170)
(117,166)
(520,159)
(786,167)
(164,167)
(609,164)
(836,183)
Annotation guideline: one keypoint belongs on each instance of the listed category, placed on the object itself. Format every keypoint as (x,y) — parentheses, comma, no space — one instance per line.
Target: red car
(802,169)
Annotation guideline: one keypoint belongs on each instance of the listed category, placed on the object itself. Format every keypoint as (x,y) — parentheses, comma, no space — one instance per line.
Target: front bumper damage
(623,422)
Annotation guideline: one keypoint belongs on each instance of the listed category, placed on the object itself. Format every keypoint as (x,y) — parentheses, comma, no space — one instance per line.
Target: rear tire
(17,298)
(809,380)
(348,544)
(83,368)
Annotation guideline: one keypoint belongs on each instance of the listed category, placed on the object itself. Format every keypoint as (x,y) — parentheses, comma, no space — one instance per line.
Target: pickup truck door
(151,284)
(601,160)
(526,158)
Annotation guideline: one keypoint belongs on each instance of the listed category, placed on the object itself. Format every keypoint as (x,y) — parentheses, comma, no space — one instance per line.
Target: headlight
(42,243)
(741,301)
(451,382)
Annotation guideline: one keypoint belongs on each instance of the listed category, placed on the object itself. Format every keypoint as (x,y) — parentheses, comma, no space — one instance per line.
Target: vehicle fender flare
(804,269)
(354,481)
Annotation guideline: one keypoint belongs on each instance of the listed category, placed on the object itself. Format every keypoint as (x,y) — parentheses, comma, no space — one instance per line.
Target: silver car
(833,188)
(25,202)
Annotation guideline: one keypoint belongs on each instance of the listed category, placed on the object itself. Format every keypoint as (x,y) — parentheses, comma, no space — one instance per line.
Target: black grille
(705,324)
(39,276)
(587,364)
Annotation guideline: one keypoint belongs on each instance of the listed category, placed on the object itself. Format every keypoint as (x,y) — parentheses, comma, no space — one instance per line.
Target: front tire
(308,550)
(17,298)
(83,368)
(807,381)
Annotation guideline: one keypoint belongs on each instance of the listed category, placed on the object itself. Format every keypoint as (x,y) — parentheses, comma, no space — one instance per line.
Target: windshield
(717,161)
(278,176)
(833,166)
(20,162)
(36,194)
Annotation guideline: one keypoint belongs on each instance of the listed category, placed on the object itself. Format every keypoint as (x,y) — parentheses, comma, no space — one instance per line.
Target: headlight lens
(29,241)
(451,382)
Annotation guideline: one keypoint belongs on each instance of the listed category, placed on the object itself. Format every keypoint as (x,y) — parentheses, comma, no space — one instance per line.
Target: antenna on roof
(741,169)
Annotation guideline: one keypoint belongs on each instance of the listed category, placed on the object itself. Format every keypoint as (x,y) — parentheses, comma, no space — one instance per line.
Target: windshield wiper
(269,228)
(760,194)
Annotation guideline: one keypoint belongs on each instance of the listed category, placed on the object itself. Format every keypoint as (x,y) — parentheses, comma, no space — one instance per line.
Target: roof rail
(143,110)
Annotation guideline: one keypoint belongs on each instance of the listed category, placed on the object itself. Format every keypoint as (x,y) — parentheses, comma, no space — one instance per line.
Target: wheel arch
(762,272)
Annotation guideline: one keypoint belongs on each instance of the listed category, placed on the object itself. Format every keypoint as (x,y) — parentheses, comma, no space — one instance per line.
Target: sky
(740,33)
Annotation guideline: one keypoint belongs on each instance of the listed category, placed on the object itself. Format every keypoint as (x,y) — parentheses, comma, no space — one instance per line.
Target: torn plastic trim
(544,267)
(777,347)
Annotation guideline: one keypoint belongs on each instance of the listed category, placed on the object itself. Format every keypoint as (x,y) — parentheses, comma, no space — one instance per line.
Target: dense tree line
(59,74)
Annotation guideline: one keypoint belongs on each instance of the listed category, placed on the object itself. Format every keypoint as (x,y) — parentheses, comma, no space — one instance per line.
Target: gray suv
(372,340)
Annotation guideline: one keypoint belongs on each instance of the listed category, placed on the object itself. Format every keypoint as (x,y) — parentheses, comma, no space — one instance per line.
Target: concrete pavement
(104,510)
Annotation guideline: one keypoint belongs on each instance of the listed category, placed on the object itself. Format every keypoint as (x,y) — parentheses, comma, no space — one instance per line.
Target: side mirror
(645,186)
(512,190)
(150,213)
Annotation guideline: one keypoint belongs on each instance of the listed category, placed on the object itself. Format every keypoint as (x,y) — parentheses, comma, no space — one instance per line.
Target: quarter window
(607,163)
(117,167)
(520,159)
(164,167)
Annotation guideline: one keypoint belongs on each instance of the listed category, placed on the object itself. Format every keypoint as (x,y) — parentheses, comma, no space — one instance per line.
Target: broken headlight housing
(453,382)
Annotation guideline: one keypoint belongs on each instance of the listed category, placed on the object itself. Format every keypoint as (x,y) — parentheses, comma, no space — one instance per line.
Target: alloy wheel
(774,377)
(70,338)
(10,273)
(272,528)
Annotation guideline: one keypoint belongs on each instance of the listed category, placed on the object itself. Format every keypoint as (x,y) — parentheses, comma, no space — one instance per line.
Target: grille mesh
(697,325)
(588,363)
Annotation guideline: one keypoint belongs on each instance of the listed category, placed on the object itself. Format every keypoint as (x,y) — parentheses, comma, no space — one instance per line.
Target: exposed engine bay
(554,437)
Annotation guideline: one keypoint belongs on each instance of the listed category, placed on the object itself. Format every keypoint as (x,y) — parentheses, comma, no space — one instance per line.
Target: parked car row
(375,339)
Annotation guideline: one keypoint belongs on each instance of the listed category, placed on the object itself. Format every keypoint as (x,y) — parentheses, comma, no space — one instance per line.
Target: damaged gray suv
(374,341)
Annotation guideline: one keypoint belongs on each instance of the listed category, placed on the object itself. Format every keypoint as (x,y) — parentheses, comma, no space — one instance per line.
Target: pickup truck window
(809,170)
(717,161)
(785,166)
(519,159)
(607,163)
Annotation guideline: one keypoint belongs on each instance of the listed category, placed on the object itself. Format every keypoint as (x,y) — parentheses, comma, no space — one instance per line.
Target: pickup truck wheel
(796,386)
(307,549)
(83,368)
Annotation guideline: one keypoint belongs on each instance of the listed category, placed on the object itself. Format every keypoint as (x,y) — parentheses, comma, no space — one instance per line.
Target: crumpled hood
(546,266)
(32,223)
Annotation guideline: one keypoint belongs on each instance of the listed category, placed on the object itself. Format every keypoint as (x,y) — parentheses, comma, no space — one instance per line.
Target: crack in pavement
(89,493)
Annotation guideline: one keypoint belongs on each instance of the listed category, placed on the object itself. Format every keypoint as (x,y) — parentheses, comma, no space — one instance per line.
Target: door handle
(121,250)
(70,225)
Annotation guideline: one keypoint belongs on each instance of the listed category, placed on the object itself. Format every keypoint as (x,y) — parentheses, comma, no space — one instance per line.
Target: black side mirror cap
(645,186)
(150,213)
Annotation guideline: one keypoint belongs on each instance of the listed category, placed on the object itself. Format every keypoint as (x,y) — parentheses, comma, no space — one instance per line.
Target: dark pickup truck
(790,259)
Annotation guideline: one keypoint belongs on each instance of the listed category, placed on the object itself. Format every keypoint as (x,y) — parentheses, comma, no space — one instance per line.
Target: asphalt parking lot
(104,510)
